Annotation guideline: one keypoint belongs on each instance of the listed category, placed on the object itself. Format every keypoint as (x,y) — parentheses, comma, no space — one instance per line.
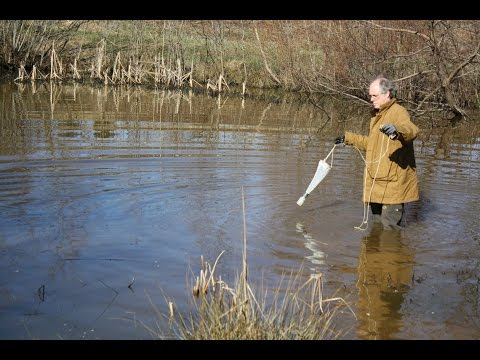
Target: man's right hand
(340,140)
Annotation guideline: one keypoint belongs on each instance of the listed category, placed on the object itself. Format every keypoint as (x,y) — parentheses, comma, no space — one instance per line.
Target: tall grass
(315,57)
(293,310)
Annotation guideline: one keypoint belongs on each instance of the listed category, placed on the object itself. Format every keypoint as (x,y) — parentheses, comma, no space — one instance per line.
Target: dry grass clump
(296,310)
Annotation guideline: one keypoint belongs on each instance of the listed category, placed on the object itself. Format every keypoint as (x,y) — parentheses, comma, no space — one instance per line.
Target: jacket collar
(386,106)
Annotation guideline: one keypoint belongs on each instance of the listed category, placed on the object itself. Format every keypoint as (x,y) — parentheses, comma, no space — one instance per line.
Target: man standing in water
(390,178)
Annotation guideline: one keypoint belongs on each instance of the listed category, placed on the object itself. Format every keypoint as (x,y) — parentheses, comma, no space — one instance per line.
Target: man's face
(376,97)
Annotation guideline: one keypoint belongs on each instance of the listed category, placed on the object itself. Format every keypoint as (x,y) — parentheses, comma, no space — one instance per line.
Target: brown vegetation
(298,312)
(435,62)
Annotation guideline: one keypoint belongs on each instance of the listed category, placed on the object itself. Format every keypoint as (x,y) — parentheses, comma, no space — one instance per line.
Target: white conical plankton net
(322,170)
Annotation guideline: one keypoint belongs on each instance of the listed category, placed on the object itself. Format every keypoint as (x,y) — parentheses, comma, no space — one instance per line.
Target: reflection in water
(385,270)
(318,256)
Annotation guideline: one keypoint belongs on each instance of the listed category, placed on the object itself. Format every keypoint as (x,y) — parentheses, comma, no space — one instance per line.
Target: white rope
(330,153)
(366,204)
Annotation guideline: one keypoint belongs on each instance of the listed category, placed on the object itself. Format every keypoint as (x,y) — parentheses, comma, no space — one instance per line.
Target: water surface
(110,196)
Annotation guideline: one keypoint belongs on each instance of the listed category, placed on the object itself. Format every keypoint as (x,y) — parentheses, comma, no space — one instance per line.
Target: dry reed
(297,311)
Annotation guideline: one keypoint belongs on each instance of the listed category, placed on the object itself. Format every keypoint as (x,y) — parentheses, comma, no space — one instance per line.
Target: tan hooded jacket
(393,179)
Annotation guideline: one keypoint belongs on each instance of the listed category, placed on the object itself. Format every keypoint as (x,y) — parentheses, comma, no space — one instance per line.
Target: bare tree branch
(264,56)
(427,97)
(415,74)
(343,93)
(408,31)
(462,65)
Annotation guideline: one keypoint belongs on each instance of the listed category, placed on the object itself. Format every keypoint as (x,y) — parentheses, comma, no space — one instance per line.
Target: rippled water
(109,198)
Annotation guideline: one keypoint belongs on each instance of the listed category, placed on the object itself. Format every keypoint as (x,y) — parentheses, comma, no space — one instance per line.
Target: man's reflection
(385,270)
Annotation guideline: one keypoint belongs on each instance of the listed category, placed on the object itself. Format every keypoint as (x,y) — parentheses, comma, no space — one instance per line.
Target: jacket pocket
(385,171)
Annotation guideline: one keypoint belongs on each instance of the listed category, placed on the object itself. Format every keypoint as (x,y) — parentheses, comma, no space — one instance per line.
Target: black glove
(390,130)
(340,140)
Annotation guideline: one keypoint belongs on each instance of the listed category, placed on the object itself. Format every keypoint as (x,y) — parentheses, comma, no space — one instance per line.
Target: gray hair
(387,85)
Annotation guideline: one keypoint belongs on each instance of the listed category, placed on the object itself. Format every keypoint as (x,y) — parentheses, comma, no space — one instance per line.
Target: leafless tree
(434,62)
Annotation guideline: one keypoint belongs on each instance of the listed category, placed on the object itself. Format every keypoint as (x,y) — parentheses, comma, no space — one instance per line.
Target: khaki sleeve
(360,141)
(405,126)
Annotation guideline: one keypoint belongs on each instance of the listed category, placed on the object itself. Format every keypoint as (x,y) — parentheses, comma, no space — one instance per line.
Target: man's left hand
(390,130)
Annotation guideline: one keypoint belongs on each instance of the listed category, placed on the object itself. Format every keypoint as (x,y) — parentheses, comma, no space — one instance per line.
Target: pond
(111,196)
